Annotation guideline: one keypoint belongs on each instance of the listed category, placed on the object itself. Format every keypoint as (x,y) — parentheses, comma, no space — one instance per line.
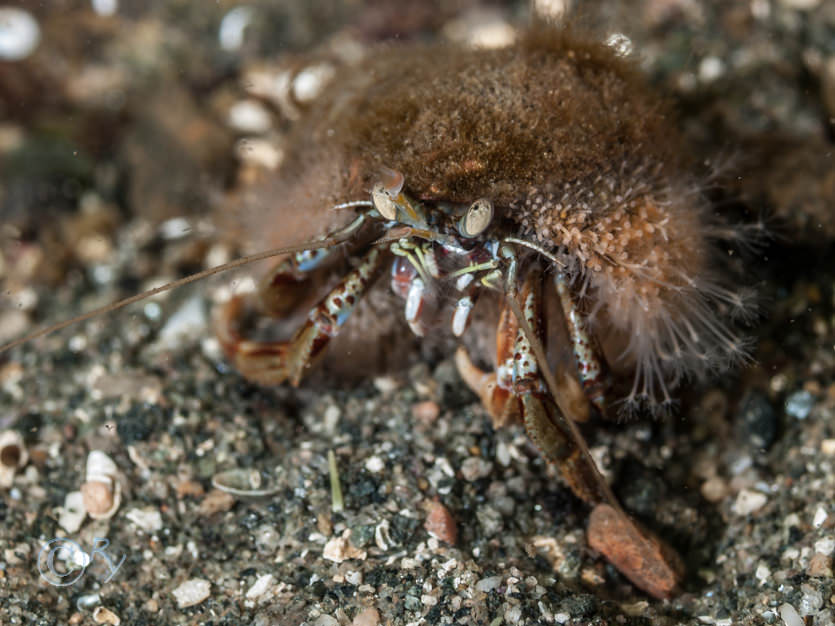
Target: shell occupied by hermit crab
(578,157)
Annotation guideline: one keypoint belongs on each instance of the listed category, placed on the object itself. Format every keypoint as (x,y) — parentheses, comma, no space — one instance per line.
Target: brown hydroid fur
(577,154)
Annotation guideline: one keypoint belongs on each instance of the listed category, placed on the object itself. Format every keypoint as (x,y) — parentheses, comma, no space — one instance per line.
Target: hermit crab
(542,182)
(533,203)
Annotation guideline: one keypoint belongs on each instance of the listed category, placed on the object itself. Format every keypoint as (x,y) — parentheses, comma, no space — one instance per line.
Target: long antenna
(322,243)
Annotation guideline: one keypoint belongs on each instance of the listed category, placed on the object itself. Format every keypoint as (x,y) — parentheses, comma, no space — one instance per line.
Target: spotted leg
(516,390)
(589,367)
(635,551)
(273,362)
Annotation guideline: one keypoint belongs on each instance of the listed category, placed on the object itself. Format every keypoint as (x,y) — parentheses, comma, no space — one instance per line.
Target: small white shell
(243,483)
(100,467)
(13,456)
(102,491)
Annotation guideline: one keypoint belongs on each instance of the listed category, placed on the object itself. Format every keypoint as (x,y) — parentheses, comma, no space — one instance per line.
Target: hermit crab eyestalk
(384,192)
(383,202)
(476,219)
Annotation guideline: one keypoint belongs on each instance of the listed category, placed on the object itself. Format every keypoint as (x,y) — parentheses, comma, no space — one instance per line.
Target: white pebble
(331,417)
(503,454)
(105,7)
(148,519)
(811,601)
(825,546)
(790,616)
(385,384)
(326,620)
(339,549)
(308,83)
(367,617)
(19,34)
(175,228)
(232,27)
(375,464)
(748,502)
(474,468)
(488,584)
(191,592)
(262,584)
(620,43)
(710,69)
(189,321)
(513,614)
(481,28)
(763,573)
(249,116)
(260,152)
(551,10)
(800,5)
(820,517)
(13,323)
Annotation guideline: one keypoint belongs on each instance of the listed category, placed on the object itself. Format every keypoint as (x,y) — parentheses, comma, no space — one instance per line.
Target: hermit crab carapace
(543,172)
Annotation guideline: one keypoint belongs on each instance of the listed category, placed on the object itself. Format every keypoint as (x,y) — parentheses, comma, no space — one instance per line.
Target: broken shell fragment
(101,490)
(13,456)
(72,514)
(246,483)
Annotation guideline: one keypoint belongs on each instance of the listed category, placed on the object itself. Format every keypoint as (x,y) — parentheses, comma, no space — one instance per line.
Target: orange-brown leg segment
(273,362)
(494,388)
(515,389)
(636,552)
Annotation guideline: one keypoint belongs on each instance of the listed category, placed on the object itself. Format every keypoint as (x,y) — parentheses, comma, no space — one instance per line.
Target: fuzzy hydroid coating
(578,157)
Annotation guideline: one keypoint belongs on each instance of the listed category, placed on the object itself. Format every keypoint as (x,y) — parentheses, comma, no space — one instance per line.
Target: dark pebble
(757,421)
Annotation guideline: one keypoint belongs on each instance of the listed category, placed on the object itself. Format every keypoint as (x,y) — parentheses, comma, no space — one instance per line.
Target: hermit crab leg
(638,554)
(281,289)
(276,361)
(537,410)
(589,367)
(494,388)
(465,282)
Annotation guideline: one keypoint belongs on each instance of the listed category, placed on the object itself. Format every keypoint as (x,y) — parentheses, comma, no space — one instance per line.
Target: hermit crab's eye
(476,219)
(383,202)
